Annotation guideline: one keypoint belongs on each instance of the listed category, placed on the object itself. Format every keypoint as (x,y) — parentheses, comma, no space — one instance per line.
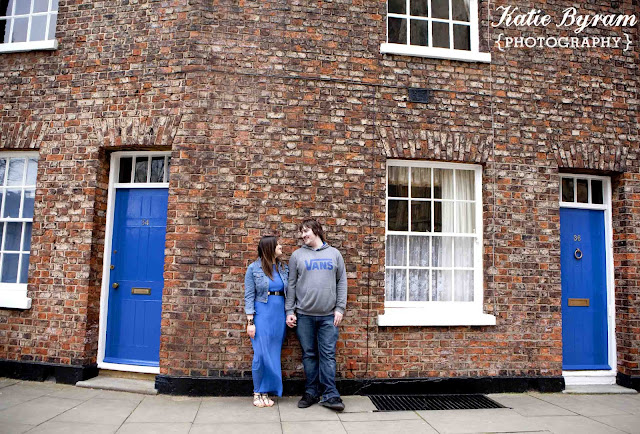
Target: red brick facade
(275,111)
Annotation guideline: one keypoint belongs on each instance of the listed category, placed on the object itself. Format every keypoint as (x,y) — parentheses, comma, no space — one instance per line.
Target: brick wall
(275,112)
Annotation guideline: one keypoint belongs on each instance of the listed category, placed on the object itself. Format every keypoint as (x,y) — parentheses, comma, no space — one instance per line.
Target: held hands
(291,321)
(337,318)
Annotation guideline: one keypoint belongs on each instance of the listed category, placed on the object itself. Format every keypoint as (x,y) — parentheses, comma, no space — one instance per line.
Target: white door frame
(104,294)
(599,376)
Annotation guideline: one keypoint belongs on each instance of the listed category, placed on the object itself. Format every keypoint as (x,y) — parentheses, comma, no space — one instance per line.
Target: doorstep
(122,382)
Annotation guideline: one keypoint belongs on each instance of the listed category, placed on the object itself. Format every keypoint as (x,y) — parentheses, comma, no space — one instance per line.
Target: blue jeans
(318,337)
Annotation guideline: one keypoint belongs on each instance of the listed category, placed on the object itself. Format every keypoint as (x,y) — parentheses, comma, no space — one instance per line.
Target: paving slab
(71,392)
(626,423)
(574,424)
(528,405)
(473,421)
(99,411)
(357,404)
(313,427)
(599,389)
(165,409)
(586,405)
(15,428)
(119,396)
(379,415)
(289,411)
(10,398)
(4,382)
(52,427)
(33,388)
(238,428)
(389,426)
(38,410)
(232,410)
(155,428)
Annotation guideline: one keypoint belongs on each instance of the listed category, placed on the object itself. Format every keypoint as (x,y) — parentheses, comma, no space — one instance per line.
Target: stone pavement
(54,408)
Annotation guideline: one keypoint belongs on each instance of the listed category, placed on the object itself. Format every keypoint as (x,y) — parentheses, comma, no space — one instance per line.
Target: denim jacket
(256,285)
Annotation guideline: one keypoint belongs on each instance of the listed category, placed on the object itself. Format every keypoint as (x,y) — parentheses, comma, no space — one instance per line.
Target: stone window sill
(436,53)
(14,296)
(17,47)
(435,316)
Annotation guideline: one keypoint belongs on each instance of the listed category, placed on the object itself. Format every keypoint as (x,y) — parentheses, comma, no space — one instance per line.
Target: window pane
(464,251)
(443,184)
(421,182)
(396,285)
(463,286)
(441,285)
(419,8)
(32,171)
(54,5)
(40,5)
(168,167)
(12,203)
(397,6)
(396,250)
(1,232)
(26,243)
(398,184)
(29,200)
(443,217)
(10,267)
(4,30)
(3,166)
(418,285)
(157,169)
(442,252)
(398,215)
(142,164)
(20,31)
(419,251)
(461,37)
(125,170)
(583,190)
(466,218)
(24,273)
(22,7)
(421,216)
(52,26)
(420,33)
(440,9)
(465,185)
(38,28)
(460,9)
(397,28)
(596,192)
(440,34)
(13,233)
(16,170)
(567,190)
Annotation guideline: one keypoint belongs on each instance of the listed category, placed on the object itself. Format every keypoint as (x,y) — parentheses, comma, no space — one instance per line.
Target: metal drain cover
(432,402)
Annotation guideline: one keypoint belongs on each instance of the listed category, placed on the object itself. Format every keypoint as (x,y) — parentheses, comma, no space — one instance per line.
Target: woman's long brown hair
(267,254)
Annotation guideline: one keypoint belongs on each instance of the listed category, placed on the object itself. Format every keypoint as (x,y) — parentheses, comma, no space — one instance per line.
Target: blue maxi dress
(267,344)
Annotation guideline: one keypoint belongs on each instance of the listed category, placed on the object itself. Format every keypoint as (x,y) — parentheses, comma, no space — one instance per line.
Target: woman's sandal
(257,400)
(268,402)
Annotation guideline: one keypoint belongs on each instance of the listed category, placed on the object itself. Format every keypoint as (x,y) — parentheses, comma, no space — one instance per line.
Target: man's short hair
(315,227)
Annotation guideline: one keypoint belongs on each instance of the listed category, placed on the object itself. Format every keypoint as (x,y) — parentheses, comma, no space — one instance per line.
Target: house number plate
(579,302)
(141,291)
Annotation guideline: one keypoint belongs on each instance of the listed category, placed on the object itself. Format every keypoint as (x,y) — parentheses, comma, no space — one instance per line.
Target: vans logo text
(319,264)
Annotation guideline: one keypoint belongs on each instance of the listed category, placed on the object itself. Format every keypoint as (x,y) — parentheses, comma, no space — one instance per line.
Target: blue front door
(584,289)
(135,284)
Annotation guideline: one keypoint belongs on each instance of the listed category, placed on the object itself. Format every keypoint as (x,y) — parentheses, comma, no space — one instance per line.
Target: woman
(265,286)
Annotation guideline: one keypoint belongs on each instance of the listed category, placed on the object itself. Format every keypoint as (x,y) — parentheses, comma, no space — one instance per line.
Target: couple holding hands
(309,294)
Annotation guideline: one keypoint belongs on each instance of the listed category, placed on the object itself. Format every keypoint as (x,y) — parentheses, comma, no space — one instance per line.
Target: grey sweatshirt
(317,282)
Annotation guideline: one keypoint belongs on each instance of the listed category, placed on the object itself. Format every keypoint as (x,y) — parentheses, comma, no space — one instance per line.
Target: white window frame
(46,44)
(442,313)
(114,176)
(473,55)
(14,295)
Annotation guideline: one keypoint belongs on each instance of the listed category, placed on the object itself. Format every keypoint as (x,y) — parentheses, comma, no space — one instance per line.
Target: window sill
(434,316)
(17,47)
(14,296)
(437,53)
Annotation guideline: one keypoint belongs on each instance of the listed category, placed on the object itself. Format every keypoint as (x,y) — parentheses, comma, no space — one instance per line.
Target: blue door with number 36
(584,289)
(136,277)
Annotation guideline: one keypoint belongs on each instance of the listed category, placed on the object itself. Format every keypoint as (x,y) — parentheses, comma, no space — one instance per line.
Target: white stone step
(104,382)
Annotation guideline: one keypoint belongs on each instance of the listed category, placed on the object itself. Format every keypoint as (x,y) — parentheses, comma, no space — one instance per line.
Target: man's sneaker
(307,401)
(334,403)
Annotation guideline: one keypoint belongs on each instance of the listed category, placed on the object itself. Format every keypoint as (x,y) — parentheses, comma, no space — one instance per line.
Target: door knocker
(577,254)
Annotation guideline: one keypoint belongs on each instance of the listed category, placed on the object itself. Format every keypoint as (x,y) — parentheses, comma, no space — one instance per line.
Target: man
(316,301)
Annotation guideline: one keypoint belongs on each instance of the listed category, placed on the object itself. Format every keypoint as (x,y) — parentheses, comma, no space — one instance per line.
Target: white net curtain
(431,233)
